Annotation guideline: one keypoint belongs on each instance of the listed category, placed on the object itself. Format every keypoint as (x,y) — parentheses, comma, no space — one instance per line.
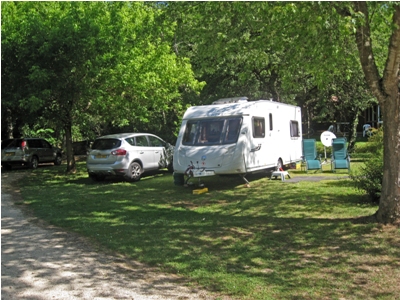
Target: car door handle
(156,151)
(141,152)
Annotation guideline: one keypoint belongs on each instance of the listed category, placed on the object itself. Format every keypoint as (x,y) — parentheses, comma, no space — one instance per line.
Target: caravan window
(294,129)
(258,127)
(190,133)
(232,130)
(212,131)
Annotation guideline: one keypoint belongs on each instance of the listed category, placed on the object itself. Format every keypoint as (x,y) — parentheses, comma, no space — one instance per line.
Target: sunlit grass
(274,240)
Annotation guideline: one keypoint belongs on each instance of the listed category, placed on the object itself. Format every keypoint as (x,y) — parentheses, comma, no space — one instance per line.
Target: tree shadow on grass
(118,179)
(274,234)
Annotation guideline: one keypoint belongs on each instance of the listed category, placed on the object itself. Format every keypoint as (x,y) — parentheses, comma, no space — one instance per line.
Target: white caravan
(236,136)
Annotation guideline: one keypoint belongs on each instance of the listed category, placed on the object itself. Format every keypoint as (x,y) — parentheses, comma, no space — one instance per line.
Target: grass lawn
(275,240)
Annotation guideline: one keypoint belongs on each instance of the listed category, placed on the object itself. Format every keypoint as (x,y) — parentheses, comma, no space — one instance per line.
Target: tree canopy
(72,60)
(309,51)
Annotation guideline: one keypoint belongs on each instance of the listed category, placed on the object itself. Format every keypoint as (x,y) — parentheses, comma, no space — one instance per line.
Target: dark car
(29,152)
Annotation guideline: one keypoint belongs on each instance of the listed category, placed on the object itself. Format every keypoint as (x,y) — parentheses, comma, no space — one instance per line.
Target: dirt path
(39,262)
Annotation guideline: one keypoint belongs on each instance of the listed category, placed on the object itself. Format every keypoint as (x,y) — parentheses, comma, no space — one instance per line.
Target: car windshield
(212,131)
(105,144)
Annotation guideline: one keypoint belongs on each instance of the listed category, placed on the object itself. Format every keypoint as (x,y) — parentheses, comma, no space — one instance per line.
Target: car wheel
(58,160)
(97,177)
(135,171)
(34,162)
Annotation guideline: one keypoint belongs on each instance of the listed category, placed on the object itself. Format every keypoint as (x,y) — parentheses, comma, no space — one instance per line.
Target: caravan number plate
(203,173)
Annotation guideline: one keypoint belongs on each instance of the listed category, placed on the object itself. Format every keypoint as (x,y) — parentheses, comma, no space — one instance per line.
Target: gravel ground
(40,262)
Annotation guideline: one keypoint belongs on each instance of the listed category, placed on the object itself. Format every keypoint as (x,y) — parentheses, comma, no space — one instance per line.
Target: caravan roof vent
(231,100)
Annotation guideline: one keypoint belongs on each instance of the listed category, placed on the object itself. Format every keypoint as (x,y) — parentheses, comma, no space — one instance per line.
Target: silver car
(128,155)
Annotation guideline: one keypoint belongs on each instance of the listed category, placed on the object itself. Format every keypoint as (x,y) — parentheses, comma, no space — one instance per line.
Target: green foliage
(90,63)
(373,144)
(46,133)
(369,177)
(301,52)
(321,149)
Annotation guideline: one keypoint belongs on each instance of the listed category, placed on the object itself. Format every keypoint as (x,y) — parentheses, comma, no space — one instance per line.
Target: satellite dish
(327,137)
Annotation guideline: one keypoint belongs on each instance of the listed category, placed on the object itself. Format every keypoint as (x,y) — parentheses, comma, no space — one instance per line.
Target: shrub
(369,177)
(321,150)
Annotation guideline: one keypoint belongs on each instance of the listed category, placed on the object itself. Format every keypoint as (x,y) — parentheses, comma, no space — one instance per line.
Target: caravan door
(263,146)
(272,146)
(257,144)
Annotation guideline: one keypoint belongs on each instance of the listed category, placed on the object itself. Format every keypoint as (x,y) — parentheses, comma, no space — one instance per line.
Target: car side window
(155,142)
(141,141)
(131,141)
(34,144)
(45,144)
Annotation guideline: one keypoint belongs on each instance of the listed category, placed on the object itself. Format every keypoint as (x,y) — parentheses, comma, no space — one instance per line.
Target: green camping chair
(340,156)
(311,160)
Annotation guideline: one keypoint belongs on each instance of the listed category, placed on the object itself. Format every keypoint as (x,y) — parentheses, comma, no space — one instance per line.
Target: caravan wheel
(279,164)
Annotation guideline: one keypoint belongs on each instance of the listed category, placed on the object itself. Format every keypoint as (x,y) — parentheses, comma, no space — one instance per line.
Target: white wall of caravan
(277,143)
(249,153)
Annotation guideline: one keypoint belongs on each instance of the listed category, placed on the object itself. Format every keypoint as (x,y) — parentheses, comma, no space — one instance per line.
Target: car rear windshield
(5,143)
(14,143)
(106,144)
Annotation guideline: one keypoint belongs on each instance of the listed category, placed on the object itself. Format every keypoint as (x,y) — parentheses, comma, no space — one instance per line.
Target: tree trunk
(389,205)
(71,167)
(9,122)
(386,90)
(353,131)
